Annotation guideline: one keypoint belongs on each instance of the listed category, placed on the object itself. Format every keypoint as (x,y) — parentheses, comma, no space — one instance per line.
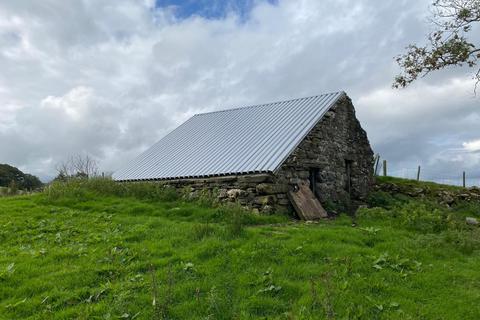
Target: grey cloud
(135,73)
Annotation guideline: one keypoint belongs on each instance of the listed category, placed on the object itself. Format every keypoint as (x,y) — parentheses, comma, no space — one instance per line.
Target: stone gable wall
(335,140)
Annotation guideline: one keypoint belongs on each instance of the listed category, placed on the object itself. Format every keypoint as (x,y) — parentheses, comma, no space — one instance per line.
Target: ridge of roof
(237,143)
(269,103)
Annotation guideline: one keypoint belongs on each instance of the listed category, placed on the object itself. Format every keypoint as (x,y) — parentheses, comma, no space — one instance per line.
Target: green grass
(100,253)
(409,183)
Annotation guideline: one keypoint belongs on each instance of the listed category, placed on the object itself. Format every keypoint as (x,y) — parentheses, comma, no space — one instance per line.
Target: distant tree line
(14,178)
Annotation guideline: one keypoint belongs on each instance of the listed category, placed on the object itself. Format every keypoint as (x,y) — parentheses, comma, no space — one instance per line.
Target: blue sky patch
(211,9)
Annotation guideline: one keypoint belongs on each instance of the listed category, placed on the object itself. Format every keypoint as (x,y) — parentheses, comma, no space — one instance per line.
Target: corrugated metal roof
(244,140)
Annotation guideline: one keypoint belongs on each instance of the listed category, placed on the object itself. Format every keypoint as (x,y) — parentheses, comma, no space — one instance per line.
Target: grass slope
(88,255)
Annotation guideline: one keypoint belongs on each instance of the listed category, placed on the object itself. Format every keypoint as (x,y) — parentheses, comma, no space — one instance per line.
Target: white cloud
(74,104)
(112,78)
(472,146)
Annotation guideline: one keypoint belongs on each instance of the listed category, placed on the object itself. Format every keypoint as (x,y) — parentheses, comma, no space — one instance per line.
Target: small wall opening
(348,169)
(313,179)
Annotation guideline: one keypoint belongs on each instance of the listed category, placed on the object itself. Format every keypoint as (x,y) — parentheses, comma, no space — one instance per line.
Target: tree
(447,46)
(9,173)
(78,166)
(21,180)
(31,182)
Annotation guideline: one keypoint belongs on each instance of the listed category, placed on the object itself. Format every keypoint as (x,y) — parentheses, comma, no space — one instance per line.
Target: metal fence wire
(457,178)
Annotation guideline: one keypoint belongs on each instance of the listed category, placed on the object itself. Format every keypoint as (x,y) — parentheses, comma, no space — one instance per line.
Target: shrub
(72,188)
(380,199)
(373,213)
(419,217)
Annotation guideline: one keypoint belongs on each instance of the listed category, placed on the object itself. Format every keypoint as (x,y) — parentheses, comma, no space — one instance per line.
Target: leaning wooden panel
(306,204)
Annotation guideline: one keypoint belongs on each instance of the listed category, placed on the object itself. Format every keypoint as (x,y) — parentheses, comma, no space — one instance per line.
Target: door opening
(313,179)
(348,168)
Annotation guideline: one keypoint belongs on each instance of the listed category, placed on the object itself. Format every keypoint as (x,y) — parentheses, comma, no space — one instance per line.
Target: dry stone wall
(257,192)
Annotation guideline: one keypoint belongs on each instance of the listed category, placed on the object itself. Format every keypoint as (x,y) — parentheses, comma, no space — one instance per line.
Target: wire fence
(457,178)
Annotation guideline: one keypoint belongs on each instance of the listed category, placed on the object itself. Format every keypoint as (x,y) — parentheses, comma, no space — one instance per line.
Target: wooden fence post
(377,160)
(384,168)
(464,179)
(418,174)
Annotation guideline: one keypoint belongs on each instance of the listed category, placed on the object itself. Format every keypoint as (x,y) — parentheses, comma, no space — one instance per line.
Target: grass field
(77,253)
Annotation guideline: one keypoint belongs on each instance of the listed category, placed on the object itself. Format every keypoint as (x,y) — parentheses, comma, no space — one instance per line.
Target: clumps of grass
(201,197)
(423,218)
(161,306)
(4,191)
(414,215)
(72,189)
(7,271)
(82,189)
(436,226)
(373,214)
(465,241)
(236,217)
(201,231)
(314,301)
(328,295)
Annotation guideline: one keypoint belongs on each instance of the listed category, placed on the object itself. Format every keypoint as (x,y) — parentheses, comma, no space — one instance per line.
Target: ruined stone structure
(334,158)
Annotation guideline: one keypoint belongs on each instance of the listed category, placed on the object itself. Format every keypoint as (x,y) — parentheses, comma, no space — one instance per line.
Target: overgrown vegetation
(93,249)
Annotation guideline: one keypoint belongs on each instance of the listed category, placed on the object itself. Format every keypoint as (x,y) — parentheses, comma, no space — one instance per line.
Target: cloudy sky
(109,78)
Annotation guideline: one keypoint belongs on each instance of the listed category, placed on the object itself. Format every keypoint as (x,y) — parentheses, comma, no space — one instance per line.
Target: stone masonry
(335,156)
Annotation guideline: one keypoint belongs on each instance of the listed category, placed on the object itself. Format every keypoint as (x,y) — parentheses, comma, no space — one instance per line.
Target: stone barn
(294,155)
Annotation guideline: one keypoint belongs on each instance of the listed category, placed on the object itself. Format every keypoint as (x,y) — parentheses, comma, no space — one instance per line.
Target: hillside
(13,178)
(102,251)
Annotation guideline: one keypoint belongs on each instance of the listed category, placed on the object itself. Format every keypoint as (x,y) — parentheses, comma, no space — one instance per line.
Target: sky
(110,78)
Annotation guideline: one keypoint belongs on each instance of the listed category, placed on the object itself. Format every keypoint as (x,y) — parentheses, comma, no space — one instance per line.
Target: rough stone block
(222,193)
(235,193)
(264,200)
(254,178)
(268,188)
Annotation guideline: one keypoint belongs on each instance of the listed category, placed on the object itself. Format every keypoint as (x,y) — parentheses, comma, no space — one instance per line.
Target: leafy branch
(447,46)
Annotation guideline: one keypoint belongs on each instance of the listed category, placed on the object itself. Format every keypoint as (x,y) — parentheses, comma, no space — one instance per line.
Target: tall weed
(236,217)
(85,189)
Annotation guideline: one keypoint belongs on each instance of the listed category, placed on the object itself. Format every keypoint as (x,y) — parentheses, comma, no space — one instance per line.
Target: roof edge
(342,94)
(209,176)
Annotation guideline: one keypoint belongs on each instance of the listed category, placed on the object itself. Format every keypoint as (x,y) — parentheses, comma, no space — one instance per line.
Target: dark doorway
(313,179)
(348,168)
